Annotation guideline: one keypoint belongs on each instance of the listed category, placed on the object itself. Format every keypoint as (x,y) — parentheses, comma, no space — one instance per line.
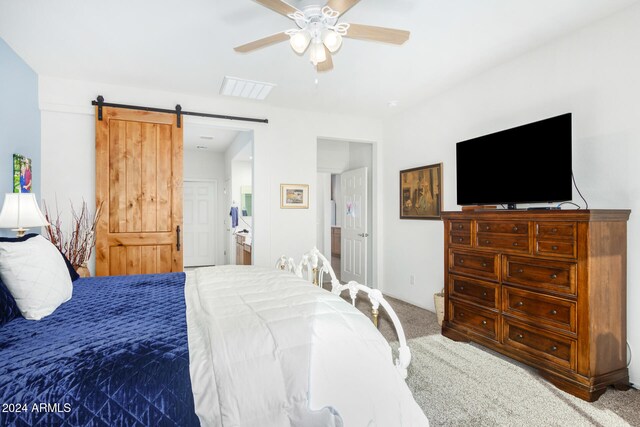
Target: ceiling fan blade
(327,64)
(378,34)
(342,5)
(278,6)
(266,41)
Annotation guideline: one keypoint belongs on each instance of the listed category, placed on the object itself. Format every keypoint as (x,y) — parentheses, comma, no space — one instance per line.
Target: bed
(230,345)
(115,354)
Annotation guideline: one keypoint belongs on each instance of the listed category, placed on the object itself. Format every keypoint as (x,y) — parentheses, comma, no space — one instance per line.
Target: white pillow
(36,275)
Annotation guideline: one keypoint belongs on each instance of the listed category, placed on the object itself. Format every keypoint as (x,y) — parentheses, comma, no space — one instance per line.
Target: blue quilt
(116,354)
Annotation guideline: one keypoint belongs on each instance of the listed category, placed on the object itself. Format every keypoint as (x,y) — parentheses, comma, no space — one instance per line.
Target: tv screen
(525,164)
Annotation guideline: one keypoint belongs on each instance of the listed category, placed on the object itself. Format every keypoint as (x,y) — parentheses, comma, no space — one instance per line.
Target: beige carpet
(459,384)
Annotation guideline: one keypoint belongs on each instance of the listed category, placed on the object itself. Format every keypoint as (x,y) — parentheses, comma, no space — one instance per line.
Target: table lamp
(20,211)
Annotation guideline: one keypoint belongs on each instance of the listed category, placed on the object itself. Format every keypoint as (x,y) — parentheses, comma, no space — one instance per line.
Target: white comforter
(269,349)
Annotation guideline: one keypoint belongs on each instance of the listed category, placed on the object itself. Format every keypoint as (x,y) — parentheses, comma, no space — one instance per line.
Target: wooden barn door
(139,184)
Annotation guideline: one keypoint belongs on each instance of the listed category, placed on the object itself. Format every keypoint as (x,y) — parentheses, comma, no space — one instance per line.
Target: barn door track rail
(99,101)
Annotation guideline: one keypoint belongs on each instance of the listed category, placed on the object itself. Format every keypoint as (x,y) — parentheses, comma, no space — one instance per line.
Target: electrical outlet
(412,279)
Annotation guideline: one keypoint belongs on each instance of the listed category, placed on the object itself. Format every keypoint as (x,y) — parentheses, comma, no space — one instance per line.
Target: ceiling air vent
(233,86)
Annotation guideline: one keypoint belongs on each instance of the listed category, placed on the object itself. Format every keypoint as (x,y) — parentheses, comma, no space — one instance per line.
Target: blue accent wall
(19,120)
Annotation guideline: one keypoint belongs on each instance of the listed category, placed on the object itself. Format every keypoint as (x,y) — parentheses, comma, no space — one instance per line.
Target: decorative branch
(78,246)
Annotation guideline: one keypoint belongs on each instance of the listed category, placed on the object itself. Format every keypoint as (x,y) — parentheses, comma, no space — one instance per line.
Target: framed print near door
(294,196)
(421,192)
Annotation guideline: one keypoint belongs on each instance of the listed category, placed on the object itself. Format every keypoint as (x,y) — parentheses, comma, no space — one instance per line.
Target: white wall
(209,166)
(241,176)
(592,73)
(284,151)
(323,220)
(230,155)
(333,156)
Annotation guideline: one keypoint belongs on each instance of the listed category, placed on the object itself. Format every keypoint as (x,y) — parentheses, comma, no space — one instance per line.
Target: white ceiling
(187,46)
(208,136)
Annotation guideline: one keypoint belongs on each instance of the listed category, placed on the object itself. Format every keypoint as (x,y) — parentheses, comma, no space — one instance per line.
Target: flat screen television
(525,164)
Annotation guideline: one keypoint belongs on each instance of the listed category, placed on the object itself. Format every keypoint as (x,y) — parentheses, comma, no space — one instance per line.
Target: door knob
(363,234)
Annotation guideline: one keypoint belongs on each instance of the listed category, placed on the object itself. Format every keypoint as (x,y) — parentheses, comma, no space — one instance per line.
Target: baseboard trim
(405,301)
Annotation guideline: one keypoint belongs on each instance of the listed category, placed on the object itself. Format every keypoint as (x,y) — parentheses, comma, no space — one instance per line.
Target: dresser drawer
(486,265)
(553,276)
(474,319)
(476,291)
(540,309)
(503,227)
(460,227)
(555,230)
(460,239)
(555,348)
(565,249)
(517,243)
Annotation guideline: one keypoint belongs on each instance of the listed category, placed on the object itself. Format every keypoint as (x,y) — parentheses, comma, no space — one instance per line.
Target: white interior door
(353,258)
(199,223)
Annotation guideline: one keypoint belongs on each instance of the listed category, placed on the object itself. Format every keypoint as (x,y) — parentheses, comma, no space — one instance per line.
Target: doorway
(345,212)
(209,153)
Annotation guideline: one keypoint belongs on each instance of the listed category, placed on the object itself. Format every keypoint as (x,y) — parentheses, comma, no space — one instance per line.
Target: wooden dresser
(547,288)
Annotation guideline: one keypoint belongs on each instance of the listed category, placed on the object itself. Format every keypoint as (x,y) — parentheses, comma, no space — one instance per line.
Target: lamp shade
(20,211)
(300,41)
(317,53)
(332,40)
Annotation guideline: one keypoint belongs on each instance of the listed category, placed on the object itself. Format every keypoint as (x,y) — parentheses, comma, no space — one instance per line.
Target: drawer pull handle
(487,227)
(554,348)
(554,312)
(460,314)
(487,242)
(520,270)
(484,322)
(554,276)
(484,294)
(515,228)
(461,261)
(461,288)
(515,243)
(519,304)
(554,230)
(484,264)
(554,248)
(460,226)
(519,336)
(460,239)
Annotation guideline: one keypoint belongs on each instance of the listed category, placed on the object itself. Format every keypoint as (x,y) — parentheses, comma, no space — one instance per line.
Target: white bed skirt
(267,348)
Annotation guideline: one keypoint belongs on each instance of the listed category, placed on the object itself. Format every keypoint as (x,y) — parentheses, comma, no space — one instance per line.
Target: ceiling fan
(319,31)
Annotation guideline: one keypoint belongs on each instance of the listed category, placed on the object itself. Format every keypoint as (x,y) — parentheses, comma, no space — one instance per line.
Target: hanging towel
(234,216)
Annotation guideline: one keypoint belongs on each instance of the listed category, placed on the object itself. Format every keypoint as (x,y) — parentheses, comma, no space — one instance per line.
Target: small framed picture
(421,192)
(294,196)
(21,174)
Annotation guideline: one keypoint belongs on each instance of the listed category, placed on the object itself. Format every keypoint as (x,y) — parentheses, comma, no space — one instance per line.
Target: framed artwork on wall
(21,174)
(421,192)
(294,196)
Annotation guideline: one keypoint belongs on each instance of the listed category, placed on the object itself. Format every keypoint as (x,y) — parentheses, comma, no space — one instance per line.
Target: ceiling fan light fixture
(317,53)
(332,40)
(300,40)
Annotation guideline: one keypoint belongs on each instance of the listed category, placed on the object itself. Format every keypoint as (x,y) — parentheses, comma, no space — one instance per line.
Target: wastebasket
(438,301)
